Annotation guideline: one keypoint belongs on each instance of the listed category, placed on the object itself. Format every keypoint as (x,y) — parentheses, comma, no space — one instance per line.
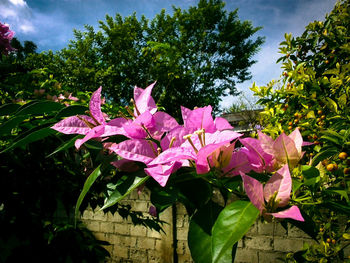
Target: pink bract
(278,187)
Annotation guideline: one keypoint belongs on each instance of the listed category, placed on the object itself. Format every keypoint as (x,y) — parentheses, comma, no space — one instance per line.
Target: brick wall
(134,244)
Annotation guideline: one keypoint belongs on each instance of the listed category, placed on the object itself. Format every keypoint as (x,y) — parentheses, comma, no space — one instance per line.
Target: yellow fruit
(346,171)
(330,167)
(343,155)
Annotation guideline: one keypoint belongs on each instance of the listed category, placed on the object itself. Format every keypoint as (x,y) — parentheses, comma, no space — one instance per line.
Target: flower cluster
(6,36)
(208,145)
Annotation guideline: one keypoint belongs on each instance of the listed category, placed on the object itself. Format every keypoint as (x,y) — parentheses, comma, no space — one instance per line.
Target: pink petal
(222,124)
(280,182)
(93,133)
(221,136)
(254,190)
(174,154)
(113,130)
(70,97)
(261,159)
(73,125)
(199,118)
(202,165)
(178,132)
(292,212)
(266,142)
(285,151)
(164,122)
(146,119)
(119,122)
(162,172)
(239,163)
(135,150)
(143,100)
(185,113)
(134,131)
(297,138)
(95,106)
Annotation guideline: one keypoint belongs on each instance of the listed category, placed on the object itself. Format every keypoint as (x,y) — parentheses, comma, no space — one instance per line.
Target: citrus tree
(313,95)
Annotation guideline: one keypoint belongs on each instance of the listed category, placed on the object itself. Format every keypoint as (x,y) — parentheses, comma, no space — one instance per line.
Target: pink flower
(6,36)
(93,126)
(275,194)
(267,154)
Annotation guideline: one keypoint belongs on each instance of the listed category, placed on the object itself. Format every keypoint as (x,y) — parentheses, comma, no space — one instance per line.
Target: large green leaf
(123,189)
(7,109)
(66,145)
(87,185)
(39,108)
(32,137)
(199,233)
(7,126)
(233,222)
(71,110)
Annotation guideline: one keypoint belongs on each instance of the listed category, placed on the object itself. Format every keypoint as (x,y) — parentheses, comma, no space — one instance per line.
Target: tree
(196,56)
(314,95)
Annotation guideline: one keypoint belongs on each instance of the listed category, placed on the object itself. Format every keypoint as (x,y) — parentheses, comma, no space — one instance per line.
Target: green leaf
(39,108)
(199,232)
(341,192)
(324,155)
(296,184)
(123,189)
(332,105)
(309,171)
(342,101)
(232,224)
(7,126)
(32,137)
(87,185)
(345,209)
(310,115)
(71,111)
(162,198)
(8,109)
(65,145)
(311,174)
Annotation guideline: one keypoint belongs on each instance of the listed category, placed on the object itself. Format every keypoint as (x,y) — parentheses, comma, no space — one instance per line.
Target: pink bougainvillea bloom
(260,160)
(201,118)
(266,154)
(93,126)
(6,36)
(197,148)
(285,149)
(144,101)
(275,194)
(135,150)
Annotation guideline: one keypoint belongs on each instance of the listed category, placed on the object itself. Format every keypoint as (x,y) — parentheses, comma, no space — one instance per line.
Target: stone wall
(134,244)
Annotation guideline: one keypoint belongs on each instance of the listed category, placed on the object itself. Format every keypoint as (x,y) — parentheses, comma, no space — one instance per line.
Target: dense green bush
(314,95)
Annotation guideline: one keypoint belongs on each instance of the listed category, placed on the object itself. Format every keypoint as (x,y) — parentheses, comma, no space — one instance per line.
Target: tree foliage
(314,95)
(196,56)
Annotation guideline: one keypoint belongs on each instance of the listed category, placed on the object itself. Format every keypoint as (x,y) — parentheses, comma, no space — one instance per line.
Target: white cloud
(18,15)
(18,2)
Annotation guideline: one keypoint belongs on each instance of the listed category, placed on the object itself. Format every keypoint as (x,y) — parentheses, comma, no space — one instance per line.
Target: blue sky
(50,23)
